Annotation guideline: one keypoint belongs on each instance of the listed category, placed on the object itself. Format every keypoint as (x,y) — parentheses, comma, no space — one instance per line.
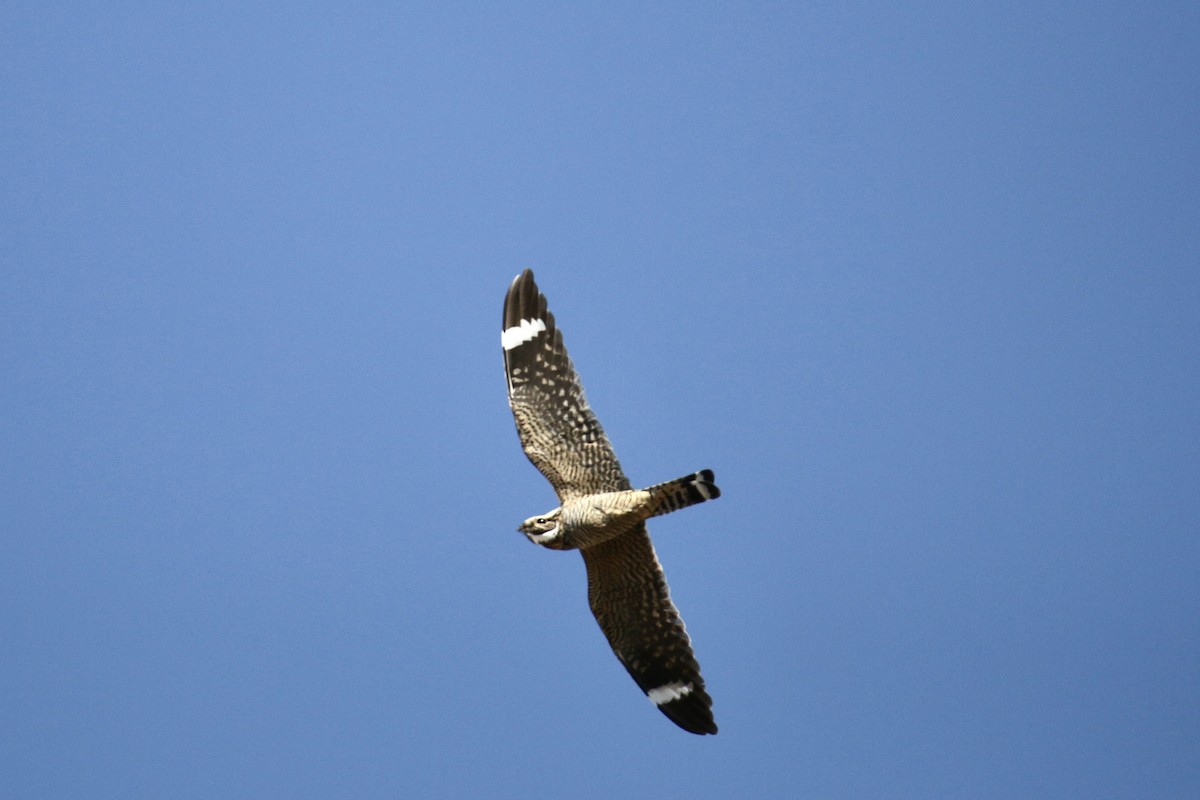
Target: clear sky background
(920,283)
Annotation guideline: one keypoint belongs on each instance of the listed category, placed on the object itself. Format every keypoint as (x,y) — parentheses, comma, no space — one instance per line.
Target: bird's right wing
(628,594)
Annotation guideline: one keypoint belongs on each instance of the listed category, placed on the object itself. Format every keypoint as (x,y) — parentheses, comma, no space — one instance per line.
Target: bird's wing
(559,432)
(628,594)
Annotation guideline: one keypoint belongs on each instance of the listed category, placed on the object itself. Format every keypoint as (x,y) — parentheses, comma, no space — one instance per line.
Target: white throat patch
(548,536)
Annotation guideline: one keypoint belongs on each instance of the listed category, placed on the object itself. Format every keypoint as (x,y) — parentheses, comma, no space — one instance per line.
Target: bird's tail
(683,492)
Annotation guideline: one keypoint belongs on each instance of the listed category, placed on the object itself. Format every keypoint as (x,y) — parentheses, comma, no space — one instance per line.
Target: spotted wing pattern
(626,586)
(558,430)
(628,594)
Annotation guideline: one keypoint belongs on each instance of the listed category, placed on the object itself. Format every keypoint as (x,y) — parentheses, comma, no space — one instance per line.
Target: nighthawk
(601,514)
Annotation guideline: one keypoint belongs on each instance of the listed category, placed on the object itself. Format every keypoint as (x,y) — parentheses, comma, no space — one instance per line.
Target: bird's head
(544,530)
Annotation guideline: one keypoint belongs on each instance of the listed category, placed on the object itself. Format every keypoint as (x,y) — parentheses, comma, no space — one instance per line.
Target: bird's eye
(540,520)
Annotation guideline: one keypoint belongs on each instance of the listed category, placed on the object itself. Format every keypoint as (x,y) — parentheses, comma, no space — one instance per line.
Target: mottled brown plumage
(600,514)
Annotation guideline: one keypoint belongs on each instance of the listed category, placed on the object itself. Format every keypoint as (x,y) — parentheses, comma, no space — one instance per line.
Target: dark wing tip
(693,713)
(525,276)
(523,301)
(675,687)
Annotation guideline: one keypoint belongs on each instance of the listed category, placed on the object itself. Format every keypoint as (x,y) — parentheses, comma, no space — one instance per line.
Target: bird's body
(589,520)
(600,513)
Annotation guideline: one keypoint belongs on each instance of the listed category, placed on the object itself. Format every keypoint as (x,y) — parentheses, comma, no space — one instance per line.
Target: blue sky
(920,284)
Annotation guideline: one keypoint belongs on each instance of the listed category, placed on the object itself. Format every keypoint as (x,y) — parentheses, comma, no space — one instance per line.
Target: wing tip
(692,713)
(524,301)
(686,703)
(524,276)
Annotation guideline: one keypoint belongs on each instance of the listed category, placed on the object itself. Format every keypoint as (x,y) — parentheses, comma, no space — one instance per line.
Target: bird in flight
(600,513)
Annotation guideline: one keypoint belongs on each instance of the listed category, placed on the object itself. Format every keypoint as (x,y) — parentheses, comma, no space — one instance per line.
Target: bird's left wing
(558,430)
